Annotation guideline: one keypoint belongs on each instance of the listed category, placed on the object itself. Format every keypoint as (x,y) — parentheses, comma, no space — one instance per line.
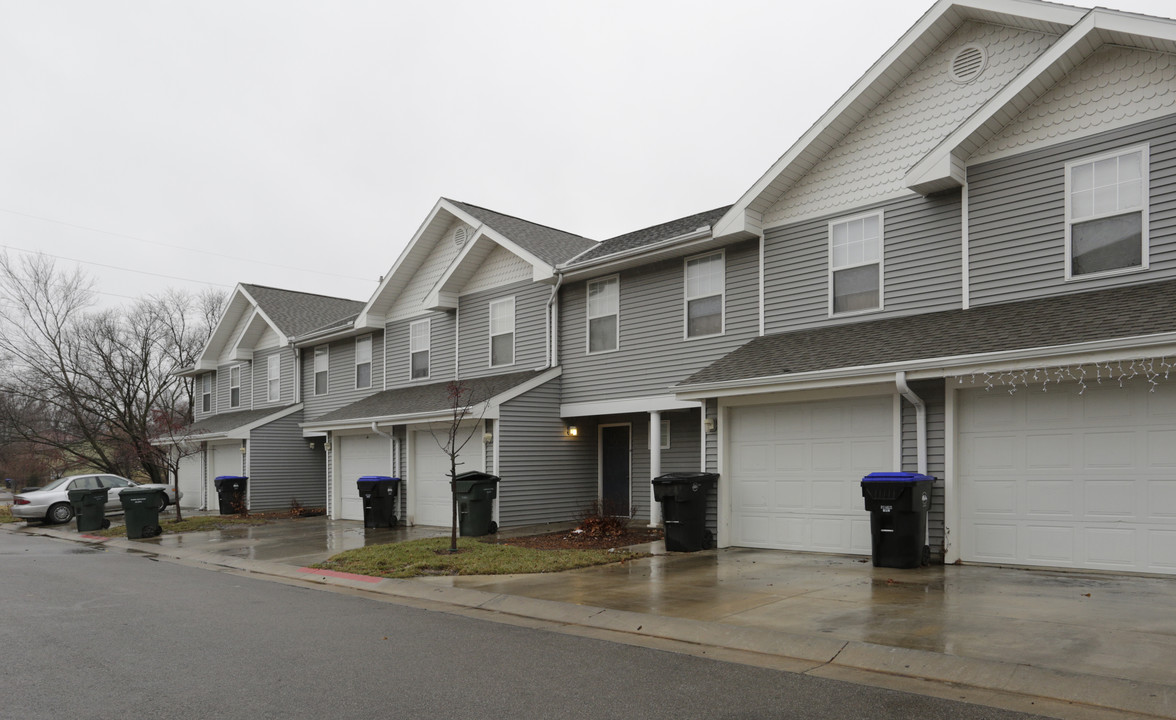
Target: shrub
(604,520)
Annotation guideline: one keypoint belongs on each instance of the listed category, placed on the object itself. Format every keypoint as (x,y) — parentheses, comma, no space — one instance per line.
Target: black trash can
(378,493)
(230,493)
(89,506)
(898,503)
(683,499)
(475,503)
(141,511)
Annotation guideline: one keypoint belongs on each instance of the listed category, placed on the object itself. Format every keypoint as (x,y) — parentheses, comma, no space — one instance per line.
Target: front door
(614,469)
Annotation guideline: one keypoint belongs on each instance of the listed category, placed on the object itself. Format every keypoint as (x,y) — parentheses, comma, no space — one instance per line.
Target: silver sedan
(50,502)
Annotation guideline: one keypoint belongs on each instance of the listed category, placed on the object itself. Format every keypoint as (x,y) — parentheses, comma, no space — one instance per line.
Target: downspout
(297,372)
(553,325)
(376,429)
(920,419)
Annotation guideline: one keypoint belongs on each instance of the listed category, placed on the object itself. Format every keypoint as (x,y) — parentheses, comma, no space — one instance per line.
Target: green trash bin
(141,508)
(475,503)
(89,506)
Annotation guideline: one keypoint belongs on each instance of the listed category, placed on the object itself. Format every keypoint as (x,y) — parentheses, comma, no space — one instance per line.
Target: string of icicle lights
(1117,371)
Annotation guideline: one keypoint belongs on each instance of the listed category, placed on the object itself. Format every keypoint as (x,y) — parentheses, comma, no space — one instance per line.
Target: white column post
(655,514)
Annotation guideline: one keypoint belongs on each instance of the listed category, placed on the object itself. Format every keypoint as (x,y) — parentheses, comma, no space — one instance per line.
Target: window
(604,307)
(235,386)
(855,264)
(322,367)
(502,326)
(1106,213)
(418,349)
(665,434)
(206,392)
(705,282)
(363,362)
(273,377)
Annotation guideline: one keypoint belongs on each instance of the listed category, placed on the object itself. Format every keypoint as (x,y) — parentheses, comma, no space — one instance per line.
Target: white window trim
(513,334)
(664,440)
(236,387)
(588,318)
(881,215)
(428,323)
(1145,204)
(722,296)
(315,371)
(271,376)
(371,361)
(207,393)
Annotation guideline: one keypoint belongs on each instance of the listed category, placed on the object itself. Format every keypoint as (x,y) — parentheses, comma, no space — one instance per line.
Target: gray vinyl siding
(283,468)
(223,378)
(441,343)
(921,258)
(932,393)
(341,388)
(653,353)
(530,328)
(712,465)
(261,378)
(546,475)
(1017,217)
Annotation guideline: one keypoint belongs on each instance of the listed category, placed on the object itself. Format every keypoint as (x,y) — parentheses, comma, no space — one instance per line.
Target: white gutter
(395,472)
(920,419)
(605,260)
(553,324)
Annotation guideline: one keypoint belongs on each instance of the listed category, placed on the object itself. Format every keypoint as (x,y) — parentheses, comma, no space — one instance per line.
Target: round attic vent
(968,63)
(459,235)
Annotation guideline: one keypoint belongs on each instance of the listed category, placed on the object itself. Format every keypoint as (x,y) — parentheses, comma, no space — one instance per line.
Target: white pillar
(655,514)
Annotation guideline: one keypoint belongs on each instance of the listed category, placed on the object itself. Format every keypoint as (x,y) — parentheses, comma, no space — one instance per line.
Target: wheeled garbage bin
(898,503)
(475,503)
(89,506)
(378,493)
(141,510)
(230,493)
(683,499)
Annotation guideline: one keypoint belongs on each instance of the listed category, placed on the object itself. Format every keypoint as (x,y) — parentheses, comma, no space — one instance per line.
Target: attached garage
(190,478)
(796,470)
(224,459)
(1069,477)
(429,475)
(359,455)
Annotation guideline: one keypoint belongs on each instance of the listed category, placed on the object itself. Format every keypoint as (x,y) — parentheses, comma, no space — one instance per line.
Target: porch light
(488,438)
(573,431)
(709,424)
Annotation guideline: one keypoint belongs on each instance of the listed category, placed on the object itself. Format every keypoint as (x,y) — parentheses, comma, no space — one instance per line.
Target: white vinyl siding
(322,368)
(363,362)
(855,264)
(273,378)
(418,350)
(235,386)
(1106,213)
(502,332)
(604,320)
(705,291)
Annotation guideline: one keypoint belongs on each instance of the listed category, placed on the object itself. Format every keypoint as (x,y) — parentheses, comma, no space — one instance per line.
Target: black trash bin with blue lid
(379,494)
(476,491)
(898,503)
(683,497)
(230,493)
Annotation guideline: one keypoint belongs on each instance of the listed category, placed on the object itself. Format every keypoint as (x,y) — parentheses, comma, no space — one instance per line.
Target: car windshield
(55,484)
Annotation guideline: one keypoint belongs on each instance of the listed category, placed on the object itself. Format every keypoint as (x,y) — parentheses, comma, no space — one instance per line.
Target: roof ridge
(722,208)
(520,219)
(299,292)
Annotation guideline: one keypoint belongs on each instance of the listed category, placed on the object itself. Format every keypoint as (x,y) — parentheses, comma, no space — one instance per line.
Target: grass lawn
(192,524)
(6,515)
(431,556)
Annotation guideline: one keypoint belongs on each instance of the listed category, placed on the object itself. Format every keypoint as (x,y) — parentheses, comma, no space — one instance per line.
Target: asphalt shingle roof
(1060,320)
(426,398)
(227,422)
(550,245)
(298,313)
(650,235)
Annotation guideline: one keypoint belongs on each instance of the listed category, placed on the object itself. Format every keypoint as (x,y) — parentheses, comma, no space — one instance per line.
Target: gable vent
(459,235)
(968,63)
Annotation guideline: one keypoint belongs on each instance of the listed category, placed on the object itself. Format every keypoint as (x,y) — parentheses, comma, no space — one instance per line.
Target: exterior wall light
(709,424)
(488,437)
(573,431)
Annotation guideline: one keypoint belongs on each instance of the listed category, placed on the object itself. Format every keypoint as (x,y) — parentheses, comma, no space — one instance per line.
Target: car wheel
(59,513)
(162,502)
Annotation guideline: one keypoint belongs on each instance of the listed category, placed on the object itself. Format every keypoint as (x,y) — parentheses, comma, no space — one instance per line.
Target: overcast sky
(301,144)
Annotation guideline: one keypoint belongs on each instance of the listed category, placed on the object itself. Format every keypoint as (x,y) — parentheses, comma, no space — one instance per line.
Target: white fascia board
(1100,350)
(215,338)
(237,353)
(282,339)
(368,319)
(678,245)
(626,406)
(328,336)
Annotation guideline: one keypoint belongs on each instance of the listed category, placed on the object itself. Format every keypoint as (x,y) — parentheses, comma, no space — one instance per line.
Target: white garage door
(225,460)
(360,455)
(797,469)
(430,476)
(190,480)
(1064,479)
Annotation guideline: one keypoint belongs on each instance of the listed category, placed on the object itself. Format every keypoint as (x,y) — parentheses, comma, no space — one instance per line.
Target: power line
(115,267)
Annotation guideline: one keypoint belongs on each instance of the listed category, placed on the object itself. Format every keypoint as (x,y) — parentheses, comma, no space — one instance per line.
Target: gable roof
(550,245)
(235,424)
(644,238)
(941,340)
(297,313)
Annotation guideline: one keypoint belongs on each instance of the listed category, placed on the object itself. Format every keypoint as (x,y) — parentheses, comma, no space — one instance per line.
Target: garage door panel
(1104,403)
(1050,497)
(993,542)
(1109,450)
(1105,499)
(1049,544)
(430,475)
(359,456)
(1161,449)
(872,453)
(1161,499)
(1161,550)
(1111,547)
(990,453)
(1049,450)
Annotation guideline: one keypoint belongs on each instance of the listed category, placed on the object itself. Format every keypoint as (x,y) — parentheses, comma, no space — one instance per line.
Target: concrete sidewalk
(1069,645)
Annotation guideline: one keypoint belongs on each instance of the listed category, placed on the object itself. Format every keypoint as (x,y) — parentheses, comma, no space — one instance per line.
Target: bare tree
(454,436)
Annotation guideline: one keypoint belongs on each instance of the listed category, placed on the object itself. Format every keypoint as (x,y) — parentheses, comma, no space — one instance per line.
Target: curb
(813,653)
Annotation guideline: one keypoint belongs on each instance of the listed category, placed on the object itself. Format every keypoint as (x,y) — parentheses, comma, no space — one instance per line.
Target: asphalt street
(97,633)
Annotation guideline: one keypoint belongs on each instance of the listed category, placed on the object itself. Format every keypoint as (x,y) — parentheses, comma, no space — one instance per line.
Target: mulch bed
(568,540)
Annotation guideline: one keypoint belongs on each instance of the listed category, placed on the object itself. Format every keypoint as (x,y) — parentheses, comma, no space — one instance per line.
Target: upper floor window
(604,313)
(855,264)
(502,331)
(322,369)
(418,349)
(363,362)
(1106,213)
(206,392)
(273,378)
(705,286)
(235,386)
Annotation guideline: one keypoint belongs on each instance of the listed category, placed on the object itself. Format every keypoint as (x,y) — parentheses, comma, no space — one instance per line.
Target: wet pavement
(1106,641)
